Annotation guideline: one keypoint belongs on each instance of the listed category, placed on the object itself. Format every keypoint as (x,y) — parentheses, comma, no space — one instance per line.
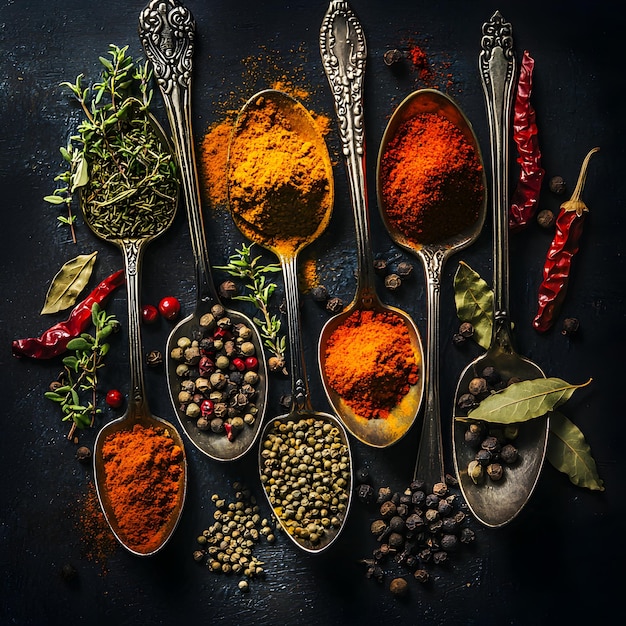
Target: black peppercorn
(387,509)
(154,358)
(458,339)
(404,269)
(228,289)
(384,494)
(466,402)
(365,493)
(545,218)
(380,266)
(393,282)
(334,305)
(509,453)
(319,293)
(421,575)
(494,471)
(570,326)
(491,375)
(83,454)
(557,185)
(466,330)
(478,387)
(399,587)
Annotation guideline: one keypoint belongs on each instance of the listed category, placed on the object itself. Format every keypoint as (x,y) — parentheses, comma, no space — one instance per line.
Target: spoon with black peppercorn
(167,32)
(380,406)
(304,454)
(451,206)
(497,502)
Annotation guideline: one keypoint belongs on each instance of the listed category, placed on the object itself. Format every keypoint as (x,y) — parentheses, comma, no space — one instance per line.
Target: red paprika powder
(431,178)
(143,474)
(370,363)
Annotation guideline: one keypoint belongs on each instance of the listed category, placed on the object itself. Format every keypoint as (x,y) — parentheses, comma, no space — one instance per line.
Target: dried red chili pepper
(54,340)
(564,246)
(525,198)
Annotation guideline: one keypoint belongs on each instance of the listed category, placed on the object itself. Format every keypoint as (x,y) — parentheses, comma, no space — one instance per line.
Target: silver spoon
(430,464)
(497,503)
(138,411)
(167,32)
(300,122)
(343,50)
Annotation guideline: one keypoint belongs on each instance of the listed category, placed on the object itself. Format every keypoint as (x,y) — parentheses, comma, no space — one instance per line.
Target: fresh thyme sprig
(131,176)
(80,373)
(253,272)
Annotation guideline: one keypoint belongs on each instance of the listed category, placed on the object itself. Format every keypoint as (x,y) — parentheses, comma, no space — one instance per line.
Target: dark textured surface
(559,562)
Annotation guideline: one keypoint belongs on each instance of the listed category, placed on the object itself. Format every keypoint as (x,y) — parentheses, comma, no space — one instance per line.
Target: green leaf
(69,281)
(474,303)
(54,199)
(569,452)
(523,401)
(78,344)
(80,173)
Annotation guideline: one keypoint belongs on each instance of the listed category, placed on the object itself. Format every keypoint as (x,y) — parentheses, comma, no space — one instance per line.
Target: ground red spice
(431,180)
(143,470)
(370,363)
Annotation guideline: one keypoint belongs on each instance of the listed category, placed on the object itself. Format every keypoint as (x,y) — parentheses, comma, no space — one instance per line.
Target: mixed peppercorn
(217,369)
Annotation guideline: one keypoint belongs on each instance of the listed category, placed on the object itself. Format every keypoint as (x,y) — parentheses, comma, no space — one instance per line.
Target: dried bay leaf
(474,303)
(523,401)
(569,452)
(69,281)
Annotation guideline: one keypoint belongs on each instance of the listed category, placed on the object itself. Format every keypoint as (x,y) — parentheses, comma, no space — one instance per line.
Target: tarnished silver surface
(430,461)
(167,32)
(344,52)
(497,503)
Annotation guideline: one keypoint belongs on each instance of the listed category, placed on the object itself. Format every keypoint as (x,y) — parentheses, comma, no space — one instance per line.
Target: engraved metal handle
(497,71)
(344,52)
(167,32)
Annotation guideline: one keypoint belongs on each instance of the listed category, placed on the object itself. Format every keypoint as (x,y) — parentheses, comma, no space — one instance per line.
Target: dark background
(560,561)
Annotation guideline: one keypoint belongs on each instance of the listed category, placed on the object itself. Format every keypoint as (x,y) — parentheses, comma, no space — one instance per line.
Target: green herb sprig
(117,155)
(253,272)
(80,373)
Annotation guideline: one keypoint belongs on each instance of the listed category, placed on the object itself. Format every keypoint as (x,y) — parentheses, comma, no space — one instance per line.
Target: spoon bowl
(285,229)
(496,503)
(138,412)
(344,63)
(433,254)
(167,32)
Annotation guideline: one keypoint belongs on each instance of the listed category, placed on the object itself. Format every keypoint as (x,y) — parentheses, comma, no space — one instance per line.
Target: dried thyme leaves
(119,162)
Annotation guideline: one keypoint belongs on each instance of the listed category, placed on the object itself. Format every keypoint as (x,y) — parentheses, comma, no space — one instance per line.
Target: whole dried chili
(525,198)
(54,340)
(565,244)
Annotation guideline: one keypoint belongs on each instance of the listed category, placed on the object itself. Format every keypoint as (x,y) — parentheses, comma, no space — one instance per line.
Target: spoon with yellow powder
(167,32)
(370,354)
(431,190)
(281,192)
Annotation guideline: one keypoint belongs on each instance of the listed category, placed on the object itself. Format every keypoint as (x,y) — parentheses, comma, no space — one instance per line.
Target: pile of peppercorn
(417,528)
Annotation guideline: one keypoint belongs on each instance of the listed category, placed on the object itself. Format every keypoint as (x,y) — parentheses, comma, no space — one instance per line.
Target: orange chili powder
(431,180)
(370,362)
(143,473)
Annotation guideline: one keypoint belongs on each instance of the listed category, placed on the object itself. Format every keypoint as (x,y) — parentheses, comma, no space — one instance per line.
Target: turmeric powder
(370,363)
(279,178)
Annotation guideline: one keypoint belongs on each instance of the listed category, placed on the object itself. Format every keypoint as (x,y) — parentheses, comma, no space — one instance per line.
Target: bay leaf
(524,401)
(474,303)
(569,452)
(69,281)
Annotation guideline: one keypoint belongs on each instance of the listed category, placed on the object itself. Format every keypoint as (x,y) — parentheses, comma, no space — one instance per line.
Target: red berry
(114,398)
(252,363)
(239,364)
(149,314)
(206,408)
(169,307)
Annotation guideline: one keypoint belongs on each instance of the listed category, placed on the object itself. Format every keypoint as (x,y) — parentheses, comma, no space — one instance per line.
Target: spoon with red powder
(431,193)
(370,354)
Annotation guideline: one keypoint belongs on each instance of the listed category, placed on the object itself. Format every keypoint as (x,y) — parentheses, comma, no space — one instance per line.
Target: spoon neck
(300,397)
(133,254)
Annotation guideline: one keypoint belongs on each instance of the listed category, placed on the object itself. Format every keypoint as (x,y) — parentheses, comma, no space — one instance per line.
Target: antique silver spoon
(343,50)
(497,503)
(167,31)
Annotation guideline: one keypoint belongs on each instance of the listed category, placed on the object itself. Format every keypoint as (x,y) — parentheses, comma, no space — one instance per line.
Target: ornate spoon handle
(167,32)
(344,51)
(497,70)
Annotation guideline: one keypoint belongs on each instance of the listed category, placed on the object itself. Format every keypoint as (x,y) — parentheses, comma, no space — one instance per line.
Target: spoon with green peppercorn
(304,458)
(496,495)
(129,196)
(215,355)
